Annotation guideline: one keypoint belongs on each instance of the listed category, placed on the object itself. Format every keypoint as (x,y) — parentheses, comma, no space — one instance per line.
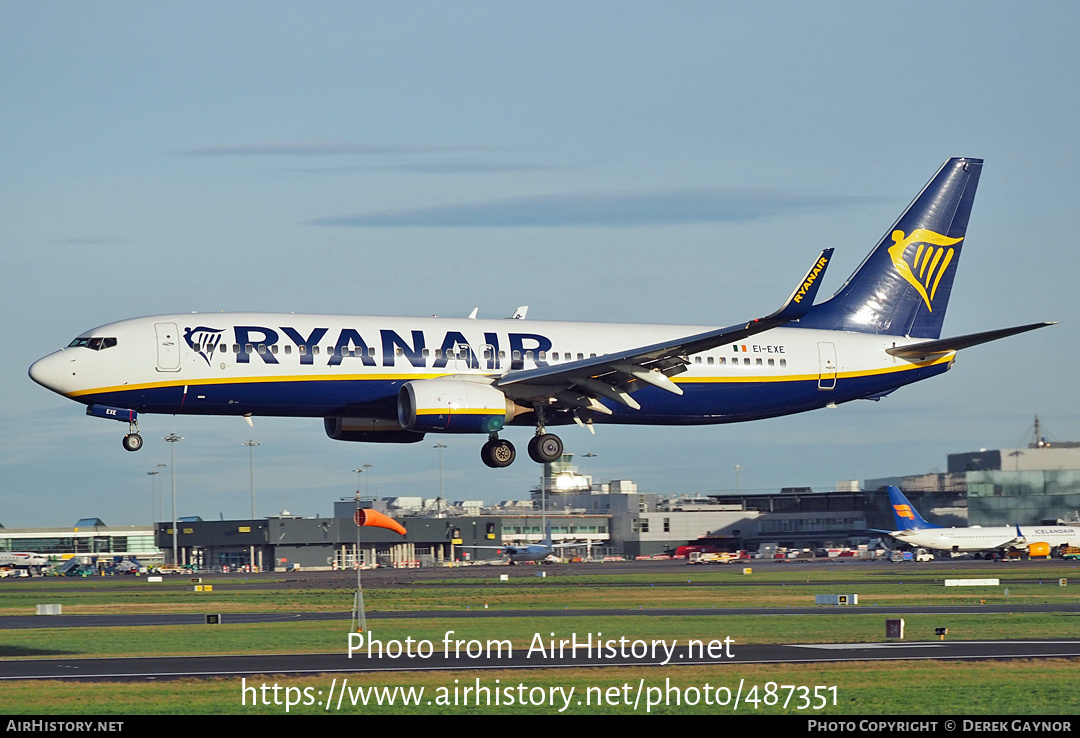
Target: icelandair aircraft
(393,380)
(1037,540)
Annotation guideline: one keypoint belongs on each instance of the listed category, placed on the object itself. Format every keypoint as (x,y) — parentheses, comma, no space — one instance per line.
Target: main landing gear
(544,447)
(498,453)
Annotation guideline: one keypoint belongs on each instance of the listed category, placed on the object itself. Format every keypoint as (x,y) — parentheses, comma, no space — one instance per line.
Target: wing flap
(581,384)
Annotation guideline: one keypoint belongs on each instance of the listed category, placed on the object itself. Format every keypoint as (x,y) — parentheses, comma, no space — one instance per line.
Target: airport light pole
(365,469)
(251,468)
(160,499)
(440,446)
(172,440)
(590,456)
(153,494)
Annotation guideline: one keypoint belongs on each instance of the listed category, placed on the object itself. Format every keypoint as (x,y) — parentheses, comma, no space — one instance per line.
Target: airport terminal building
(1037,484)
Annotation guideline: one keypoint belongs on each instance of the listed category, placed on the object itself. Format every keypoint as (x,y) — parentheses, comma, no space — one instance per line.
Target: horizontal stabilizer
(928,349)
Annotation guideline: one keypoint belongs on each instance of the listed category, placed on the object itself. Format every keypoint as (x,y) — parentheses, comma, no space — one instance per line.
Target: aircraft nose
(51,371)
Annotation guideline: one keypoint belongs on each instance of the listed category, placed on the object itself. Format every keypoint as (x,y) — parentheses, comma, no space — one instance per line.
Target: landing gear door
(827,359)
(168,347)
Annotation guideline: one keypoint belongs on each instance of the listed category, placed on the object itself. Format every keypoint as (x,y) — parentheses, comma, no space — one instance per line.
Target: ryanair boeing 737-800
(393,380)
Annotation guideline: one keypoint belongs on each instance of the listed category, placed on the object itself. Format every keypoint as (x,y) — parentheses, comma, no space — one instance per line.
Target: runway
(639,653)
(18,622)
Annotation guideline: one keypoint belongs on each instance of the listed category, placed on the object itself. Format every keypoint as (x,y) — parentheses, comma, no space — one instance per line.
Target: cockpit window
(95,344)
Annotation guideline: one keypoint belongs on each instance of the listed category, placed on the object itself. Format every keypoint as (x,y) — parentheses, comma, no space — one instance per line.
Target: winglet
(802,299)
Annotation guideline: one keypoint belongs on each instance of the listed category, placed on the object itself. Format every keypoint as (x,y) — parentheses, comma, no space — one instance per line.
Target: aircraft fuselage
(341,366)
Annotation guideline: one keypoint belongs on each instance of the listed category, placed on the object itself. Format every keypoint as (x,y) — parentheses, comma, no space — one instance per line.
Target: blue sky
(675,162)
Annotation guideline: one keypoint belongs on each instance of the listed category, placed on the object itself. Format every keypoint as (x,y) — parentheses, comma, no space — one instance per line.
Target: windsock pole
(359,617)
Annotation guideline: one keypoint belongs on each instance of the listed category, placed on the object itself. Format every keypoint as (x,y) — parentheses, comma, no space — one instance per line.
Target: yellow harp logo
(931,260)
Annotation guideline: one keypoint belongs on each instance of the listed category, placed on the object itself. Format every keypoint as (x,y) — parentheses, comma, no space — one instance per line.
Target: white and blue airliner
(393,380)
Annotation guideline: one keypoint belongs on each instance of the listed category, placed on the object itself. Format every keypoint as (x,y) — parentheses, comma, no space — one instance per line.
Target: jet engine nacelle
(454,406)
(1039,548)
(369,430)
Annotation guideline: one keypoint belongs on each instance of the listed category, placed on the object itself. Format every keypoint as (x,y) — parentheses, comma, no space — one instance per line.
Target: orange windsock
(375,519)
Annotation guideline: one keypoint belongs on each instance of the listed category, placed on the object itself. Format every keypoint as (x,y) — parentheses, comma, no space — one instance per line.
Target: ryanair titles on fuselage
(251,341)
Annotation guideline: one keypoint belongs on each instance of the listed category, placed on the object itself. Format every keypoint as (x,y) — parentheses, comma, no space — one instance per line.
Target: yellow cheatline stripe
(257,380)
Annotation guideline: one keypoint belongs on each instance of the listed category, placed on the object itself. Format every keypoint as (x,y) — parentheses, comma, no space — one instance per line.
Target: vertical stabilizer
(903,286)
(905,516)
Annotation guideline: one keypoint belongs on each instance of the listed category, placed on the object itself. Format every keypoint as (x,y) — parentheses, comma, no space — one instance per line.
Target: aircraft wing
(581,384)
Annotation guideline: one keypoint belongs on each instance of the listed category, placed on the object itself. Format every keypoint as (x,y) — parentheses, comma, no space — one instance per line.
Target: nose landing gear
(133,441)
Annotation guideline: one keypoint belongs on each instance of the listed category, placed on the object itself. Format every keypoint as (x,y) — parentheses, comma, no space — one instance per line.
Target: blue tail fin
(902,288)
(905,516)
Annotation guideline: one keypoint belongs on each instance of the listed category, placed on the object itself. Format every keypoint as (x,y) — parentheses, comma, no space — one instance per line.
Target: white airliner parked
(23,560)
(1037,540)
(392,380)
(542,551)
